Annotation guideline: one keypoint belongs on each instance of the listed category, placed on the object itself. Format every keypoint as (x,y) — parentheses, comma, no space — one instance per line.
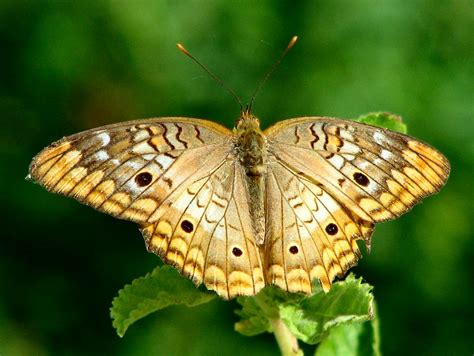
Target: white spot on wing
(386,154)
(348,157)
(337,161)
(102,155)
(379,138)
(133,165)
(149,156)
(364,165)
(133,188)
(143,148)
(141,135)
(219,233)
(346,135)
(164,161)
(104,138)
(349,147)
(379,162)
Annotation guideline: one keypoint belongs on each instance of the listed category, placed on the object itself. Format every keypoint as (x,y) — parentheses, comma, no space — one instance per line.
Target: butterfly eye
(187,226)
(331,229)
(237,252)
(361,179)
(143,179)
(293,249)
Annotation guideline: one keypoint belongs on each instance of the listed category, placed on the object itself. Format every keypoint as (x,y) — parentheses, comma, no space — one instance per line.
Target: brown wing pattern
(310,235)
(327,183)
(177,178)
(377,173)
(127,170)
(331,181)
(206,233)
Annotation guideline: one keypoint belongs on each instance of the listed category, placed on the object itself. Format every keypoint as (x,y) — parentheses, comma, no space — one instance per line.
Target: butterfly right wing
(127,169)
(178,179)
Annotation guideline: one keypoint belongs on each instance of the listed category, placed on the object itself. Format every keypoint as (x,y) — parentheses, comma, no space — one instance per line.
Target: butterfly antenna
(213,76)
(271,70)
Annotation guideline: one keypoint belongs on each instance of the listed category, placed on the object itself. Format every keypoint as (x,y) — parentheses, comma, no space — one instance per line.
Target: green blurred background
(67,67)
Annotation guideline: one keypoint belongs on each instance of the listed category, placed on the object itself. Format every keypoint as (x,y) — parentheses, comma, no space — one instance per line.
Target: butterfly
(239,210)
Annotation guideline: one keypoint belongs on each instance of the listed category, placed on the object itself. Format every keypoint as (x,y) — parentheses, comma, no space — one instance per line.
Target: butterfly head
(247,121)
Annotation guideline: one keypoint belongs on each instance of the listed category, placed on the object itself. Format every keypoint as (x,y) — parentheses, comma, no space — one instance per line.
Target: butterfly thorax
(251,145)
(251,148)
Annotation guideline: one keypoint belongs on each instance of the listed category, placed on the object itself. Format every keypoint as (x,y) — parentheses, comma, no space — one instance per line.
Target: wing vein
(297,228)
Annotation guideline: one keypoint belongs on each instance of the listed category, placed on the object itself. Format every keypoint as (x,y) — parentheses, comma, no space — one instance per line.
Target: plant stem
(286,340)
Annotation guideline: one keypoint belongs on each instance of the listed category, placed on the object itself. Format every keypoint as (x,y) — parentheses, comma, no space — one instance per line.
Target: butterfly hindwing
(206,233)
(309,236)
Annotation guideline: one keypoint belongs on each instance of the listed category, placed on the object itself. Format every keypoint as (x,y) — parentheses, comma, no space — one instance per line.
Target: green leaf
(385,120)
(163,287)
(254,321)
(352,340)
(257,312)
(309,318)
(347,301)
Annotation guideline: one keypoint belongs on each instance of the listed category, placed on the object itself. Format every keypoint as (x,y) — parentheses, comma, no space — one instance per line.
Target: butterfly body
(238,210)
(251,147)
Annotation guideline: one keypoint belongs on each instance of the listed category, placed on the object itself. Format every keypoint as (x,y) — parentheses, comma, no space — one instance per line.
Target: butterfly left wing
(379,174)
(334,179)
(309,234)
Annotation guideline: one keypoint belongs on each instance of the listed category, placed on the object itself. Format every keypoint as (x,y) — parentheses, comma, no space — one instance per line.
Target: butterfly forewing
(127,170)
(375,173)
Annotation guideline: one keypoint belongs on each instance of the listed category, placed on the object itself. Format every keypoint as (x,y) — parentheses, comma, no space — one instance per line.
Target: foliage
(310,319)
(352,339)
(338,313)
(156,290)
(384,119)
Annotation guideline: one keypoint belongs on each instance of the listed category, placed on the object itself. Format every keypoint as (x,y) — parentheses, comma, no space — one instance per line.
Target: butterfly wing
(206,233)
(177,178)
(333,180)
(127,169)
(309,234)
